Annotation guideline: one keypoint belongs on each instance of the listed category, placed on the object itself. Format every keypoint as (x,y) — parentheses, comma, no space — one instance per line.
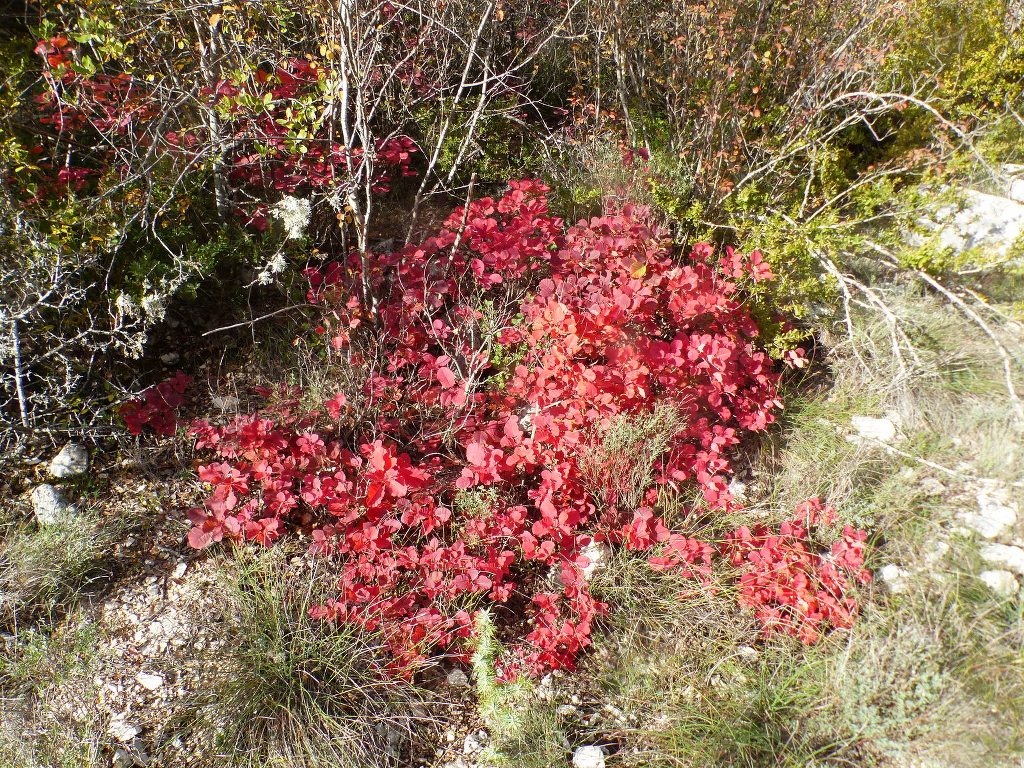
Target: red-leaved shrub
(155,407)
(104,114)
(497,355)
(794,586)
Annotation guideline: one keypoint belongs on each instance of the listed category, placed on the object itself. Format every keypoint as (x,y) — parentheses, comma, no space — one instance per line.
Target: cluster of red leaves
(795,587)
(74,105)
(155,407)
(268,157)
(111,104)
(271,154)
(602,322)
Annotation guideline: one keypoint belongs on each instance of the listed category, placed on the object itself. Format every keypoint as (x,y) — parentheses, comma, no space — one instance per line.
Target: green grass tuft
(292,691)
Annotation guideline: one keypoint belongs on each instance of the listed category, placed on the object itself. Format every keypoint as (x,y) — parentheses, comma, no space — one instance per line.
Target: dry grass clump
(288,690)
(45,568)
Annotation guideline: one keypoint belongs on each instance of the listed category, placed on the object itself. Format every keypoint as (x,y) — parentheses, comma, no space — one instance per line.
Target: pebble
(1005,555)
(588,757)
(148,681)
(1001,582)
(122,730)
(72,460)
(457,678)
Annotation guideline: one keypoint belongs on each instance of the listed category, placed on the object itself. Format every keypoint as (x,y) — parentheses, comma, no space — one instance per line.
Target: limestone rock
(1009,557)
(995,514)
(225,402)
(597,553)
(588,757)
(49,505)
(894,578)
(72,460)
(978,220)
(1013,186)
(1001,582)
(867,427)
(475,742)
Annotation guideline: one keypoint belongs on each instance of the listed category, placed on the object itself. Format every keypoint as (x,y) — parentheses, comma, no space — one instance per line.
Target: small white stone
(170,358)
(49,505)
(883,430)
(457,678)
(225,402)
(894,577)
(179,570)
(122,730)
(999,581)
(1009,557)
(474,742)
(72,460)
(148,681)
(738,489)
(588,757)
(996,513)
(596,552)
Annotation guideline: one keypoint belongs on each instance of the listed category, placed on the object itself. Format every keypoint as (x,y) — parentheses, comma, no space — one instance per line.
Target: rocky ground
(125,658)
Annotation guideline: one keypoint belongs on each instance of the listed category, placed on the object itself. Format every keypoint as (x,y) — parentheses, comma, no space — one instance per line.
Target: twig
(1007,360)
(933,465)
(465,217)
(249,323)
(19,373)
(1011,390)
